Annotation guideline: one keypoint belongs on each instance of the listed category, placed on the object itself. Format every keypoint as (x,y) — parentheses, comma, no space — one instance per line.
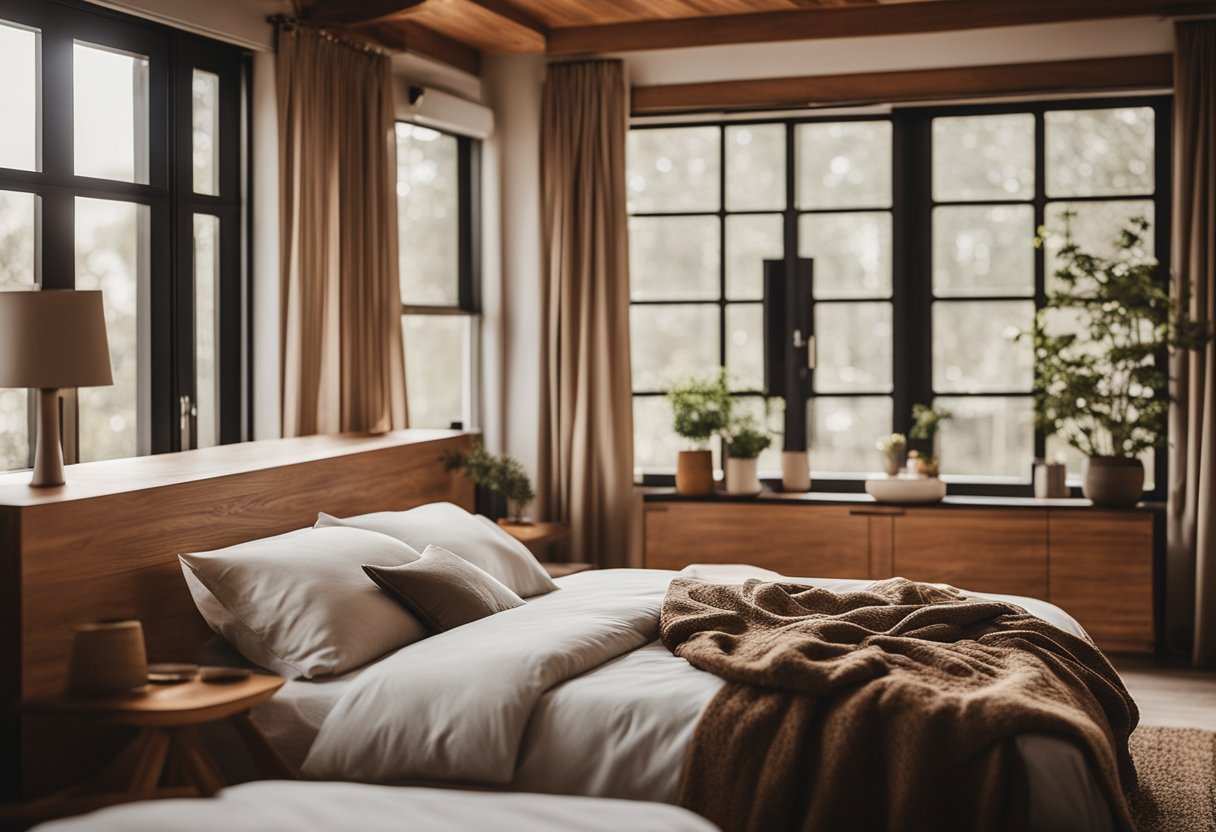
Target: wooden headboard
(106,544)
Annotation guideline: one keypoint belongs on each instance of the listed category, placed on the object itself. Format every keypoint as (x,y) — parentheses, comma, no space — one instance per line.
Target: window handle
(809,343)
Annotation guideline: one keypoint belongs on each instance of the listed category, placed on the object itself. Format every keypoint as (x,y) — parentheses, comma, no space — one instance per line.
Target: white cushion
(477,539)
(299,603)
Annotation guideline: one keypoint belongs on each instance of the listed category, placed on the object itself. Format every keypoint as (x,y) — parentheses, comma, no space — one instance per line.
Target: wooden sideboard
(1098,565)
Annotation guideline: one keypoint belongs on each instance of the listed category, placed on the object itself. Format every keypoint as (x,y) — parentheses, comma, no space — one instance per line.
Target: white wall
(241,22)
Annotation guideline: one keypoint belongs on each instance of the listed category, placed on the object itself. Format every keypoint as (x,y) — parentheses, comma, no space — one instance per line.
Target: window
(438,266)
(120,170)
(919,226)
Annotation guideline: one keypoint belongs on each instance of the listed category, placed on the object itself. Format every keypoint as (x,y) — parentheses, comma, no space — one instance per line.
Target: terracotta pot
(1113,481)
(742,476)
(695,473)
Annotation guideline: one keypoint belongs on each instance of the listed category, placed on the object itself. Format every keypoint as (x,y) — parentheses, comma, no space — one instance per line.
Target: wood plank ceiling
(458,32)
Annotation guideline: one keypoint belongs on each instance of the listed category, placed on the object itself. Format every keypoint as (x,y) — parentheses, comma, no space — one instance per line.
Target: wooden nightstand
(168,745)
(536,534)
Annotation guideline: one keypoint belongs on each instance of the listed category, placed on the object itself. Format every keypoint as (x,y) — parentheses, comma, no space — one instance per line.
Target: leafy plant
(747,440)
(701,407)
(1101,385)
(926,422)
(503,475)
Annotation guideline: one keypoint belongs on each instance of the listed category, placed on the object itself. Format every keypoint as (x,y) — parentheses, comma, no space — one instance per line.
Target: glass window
(19,97)
(750,240)
(205,94)
(437,369)
(844,165)
(1100,152)
(428,213)
(854,349)
(206,329)
(852,253)
(983,157)
(843,431)
(14,430)
(110,237)
(673,169)
(987,437)
(983,250)
(976,346)
(18,226)
(673,258)
(671,341)
(110,114)
(755,167)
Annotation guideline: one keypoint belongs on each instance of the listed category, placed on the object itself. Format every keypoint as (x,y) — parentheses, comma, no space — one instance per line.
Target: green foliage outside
(1100,345)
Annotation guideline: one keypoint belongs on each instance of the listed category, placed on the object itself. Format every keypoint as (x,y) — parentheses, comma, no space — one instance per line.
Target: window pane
(206,94)
(750,240)
(110,92)
(673,258)
(16,239)
(844,165)
(772,417)
(672,342)
(852,253)
(110,241)
(983,250)
(976,349)
(14,430)
(655,443)
(853,347)
(983,157)
(19,97)
(1100,152)
(206,329)
(437,368)
(755,167)
(987,437)
(745,345)
(1095,228)
(673,169)
(843,431)
(428,216)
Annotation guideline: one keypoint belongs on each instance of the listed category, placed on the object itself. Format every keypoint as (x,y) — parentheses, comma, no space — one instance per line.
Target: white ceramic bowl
(906,489)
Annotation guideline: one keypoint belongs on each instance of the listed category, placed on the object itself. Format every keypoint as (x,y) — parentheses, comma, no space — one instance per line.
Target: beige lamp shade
(53,339)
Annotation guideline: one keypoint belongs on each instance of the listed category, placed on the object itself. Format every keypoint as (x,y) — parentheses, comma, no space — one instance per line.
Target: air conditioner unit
(443,111)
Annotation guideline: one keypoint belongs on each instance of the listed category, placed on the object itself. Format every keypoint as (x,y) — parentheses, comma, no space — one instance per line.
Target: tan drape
(1191,529)
(341,330)
(586,413)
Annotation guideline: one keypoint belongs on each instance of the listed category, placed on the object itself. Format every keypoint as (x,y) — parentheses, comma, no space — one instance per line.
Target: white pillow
(477,539)
(299,603)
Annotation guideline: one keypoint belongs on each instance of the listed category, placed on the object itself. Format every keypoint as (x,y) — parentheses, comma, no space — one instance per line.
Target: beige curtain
(341,329)
(586,413)
(1191,530)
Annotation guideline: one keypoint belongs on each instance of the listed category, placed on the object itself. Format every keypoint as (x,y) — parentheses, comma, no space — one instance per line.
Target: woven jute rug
(1177,771)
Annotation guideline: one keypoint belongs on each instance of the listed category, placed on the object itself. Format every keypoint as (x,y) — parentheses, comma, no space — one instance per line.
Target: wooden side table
(168,746)
(537,535)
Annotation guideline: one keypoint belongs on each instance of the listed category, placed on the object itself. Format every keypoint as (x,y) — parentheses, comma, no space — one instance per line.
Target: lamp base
(48,450)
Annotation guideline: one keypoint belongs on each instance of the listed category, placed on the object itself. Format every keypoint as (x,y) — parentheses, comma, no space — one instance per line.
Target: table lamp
(50,340)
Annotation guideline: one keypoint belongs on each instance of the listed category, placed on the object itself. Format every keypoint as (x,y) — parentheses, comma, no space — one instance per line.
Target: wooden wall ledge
(1137,72)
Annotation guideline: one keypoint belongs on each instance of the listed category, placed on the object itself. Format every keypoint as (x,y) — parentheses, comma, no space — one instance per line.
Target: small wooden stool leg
(268,760)
(202,771)
(145,775)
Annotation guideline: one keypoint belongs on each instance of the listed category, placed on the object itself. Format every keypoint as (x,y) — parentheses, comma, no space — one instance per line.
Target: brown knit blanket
(892,709)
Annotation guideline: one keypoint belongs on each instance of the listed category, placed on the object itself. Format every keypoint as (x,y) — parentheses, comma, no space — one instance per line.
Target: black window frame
(469,247)
(168,194)
(912,296)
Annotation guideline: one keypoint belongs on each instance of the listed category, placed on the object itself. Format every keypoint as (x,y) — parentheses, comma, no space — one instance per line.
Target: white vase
(795,471)
(742,476)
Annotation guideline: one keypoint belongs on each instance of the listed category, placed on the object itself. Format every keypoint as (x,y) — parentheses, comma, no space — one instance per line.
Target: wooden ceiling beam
(853,21)
(1101,74)
(357,12)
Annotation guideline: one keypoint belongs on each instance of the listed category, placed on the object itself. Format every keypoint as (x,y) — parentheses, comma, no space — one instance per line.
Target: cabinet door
(796,540)
(986,551)
(1102,575)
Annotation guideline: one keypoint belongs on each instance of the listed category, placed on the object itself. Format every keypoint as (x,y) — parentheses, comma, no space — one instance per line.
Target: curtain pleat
(343,368)
(586,414)
(1191,525)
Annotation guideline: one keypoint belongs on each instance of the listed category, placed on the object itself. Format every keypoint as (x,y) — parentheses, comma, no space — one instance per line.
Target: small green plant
(926,422)
(746,440)
(1098,381)
(503,475)
(701,407)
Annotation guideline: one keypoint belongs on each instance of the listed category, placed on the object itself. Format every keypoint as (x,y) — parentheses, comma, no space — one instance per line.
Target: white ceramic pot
(795,471)
(742,476)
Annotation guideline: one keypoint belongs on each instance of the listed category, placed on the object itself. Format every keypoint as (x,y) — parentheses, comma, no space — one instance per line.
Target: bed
(516,700)
(323,807)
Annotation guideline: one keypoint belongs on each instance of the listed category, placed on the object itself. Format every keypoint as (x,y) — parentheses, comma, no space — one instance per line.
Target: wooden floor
(1168,694)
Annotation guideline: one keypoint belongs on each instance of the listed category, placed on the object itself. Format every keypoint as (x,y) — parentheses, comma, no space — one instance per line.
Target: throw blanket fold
(894,708)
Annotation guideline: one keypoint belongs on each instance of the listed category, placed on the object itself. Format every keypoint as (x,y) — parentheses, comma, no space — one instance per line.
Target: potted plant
(894,450)
(701,408)
(926,422)
(745,441)
(503,475)
(1099,386)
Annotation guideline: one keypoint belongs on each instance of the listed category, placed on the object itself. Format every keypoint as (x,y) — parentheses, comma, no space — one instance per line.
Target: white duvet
(325,807)
(572,694)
